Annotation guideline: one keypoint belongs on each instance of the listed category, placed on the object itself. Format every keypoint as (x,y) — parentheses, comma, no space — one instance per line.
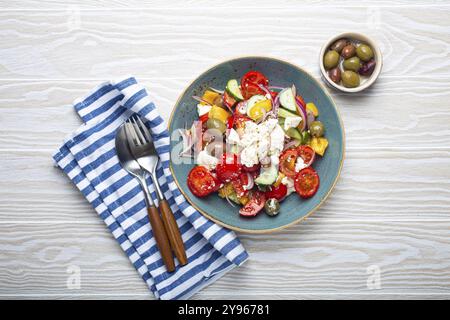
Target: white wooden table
(390,211)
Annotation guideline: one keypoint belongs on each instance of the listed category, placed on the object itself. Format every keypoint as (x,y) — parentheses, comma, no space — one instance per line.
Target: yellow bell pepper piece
(219,114)
(319,145)
(226,190)
(279,178)
(259,108)
(312,107)
(209,96)
(244,200)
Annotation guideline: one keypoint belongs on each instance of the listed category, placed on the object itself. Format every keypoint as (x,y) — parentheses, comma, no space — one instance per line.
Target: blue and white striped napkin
(88,157)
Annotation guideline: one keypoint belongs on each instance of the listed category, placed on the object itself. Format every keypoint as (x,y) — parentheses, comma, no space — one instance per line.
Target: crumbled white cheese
(299,164)
(206,160)
(203,109)
(249,156)
(233,137)
(276,140)
(259,141)
(289,183)
(291,122)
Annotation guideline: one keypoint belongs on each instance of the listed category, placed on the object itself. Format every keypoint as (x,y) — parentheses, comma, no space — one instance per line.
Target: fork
(143,150)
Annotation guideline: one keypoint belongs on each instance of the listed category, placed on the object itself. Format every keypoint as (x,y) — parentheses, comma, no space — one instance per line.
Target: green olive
(316,128)
(216,124)
(352,64)
(331,59)
(272,207)
(350,79)
(348,51)
(364,52)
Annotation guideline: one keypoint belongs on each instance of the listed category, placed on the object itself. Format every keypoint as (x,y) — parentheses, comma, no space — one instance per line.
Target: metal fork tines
(143,150)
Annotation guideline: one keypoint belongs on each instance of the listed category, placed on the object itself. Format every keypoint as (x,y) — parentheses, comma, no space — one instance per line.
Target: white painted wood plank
(394,113)
(99,44)
(200,4)
(386,185)
(310,262)
(391,207)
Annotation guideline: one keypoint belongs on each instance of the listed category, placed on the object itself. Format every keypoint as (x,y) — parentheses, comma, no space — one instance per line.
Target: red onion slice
(229,201)
(309,117)
(302,112)
(276,88)
(200,100)
(250,183)
(216,90)
(292,143)
(241,107)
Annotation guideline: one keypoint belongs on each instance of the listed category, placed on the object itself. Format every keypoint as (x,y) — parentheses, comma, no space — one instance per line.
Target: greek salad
(254,144)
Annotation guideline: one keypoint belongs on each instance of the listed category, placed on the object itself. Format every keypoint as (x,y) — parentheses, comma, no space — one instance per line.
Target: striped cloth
(88,157)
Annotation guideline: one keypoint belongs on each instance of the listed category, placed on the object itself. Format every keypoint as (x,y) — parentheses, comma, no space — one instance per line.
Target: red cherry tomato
(287,162)
(306,182)
(229,168)
(228,100)
(250,84)
(202,182)
(277,192)
(239,184)
(254,205)
(307,154)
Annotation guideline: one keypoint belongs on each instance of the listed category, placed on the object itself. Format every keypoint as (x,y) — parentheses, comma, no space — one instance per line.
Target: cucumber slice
(268,176)
(233,89)
(253,100)
(294,133)
(287,99)
(306,137)
(283,113)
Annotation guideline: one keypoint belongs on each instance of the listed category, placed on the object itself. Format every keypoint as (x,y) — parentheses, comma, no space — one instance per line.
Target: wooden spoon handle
(176,242)
(161,238)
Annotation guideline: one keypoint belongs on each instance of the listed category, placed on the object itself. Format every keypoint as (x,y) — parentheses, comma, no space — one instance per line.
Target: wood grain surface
(389,211)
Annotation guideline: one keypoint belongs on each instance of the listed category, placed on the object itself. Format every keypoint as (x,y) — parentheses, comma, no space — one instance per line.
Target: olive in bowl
(358,65)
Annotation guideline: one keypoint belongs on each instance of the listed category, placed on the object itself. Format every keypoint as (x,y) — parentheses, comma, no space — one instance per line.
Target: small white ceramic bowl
(365,81)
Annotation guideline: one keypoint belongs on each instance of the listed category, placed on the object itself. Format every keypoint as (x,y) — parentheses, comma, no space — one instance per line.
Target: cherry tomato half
(250,84)
(228,100)
(255,77)
(239,184)
(229,168)
(287,162)
(251,89)
(202,182)
(254,205)
(306,182)
(278,192)
(307,154)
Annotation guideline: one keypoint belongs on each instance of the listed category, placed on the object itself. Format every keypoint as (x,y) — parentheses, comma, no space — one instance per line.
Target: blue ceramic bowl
(283,74)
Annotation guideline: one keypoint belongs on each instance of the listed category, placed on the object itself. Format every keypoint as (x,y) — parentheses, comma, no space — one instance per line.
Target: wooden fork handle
(173,232)
(161,238)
